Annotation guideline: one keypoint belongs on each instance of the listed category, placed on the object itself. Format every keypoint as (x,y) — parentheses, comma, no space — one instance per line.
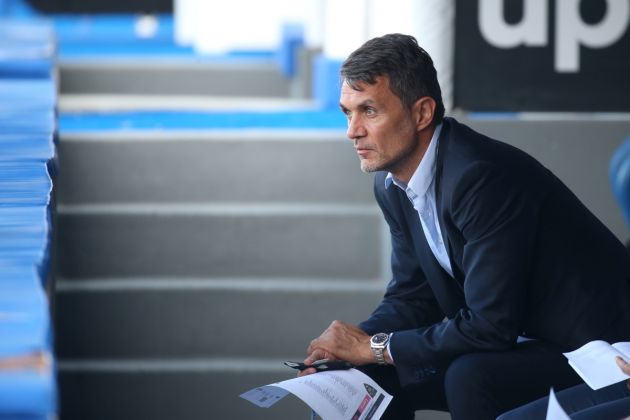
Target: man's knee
(466,385)
(466,371)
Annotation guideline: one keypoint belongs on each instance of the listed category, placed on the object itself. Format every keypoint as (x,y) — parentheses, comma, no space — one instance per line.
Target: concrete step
(175,318)
(171,167)
(565,143)
(177,390)
(73,103)
(172,76)
(219,241)
(169,391)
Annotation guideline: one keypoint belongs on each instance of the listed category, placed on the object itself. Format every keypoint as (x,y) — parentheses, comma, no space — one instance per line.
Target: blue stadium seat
(27,49)
(35,146)
(27,94)
(27,129)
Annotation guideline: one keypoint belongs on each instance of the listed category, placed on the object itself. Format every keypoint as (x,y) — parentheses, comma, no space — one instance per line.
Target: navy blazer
(528,259)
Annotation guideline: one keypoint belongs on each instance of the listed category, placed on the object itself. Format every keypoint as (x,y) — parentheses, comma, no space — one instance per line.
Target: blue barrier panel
(125,35)
(165,120)
(114,28)
(287,55)
(326,81)
(116,35)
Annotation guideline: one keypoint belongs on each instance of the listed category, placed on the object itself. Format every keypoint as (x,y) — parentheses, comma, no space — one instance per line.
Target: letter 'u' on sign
(571,31)
(531,30)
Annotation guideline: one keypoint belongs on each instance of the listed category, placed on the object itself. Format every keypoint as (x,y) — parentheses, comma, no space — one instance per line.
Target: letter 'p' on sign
(543,55)
(570,30)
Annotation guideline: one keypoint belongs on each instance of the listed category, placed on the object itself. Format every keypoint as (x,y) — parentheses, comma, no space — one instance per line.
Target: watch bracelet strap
(380,355)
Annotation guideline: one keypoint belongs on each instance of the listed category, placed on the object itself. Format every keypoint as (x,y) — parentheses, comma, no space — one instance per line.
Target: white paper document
(554,409)
(595,362)
(333,395)
(265,396)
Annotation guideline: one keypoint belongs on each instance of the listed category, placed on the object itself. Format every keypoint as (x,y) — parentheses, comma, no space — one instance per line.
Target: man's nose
(355,129)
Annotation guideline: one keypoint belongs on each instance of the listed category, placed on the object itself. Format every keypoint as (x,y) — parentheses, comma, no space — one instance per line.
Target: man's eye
(370,111)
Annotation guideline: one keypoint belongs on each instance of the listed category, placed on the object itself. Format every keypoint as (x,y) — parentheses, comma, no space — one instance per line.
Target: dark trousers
(581,402)
(480,386)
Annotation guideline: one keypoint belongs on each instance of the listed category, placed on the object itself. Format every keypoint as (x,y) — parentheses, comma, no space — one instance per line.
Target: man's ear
(423,110)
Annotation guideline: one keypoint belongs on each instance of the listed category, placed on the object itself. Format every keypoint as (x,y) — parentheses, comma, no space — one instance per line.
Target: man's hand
(624,366)
(340,341)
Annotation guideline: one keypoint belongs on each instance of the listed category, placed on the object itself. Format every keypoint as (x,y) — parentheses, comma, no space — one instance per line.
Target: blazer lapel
(449,293)
(444,141)
(432,267)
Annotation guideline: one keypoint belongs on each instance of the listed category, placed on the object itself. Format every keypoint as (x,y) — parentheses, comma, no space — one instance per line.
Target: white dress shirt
(421,192)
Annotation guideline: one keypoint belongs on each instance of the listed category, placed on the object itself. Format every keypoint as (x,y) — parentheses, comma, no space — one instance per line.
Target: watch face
(379,338)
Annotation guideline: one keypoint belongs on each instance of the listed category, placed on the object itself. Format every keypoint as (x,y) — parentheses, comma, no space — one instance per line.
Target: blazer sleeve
(496,213)
(409,301)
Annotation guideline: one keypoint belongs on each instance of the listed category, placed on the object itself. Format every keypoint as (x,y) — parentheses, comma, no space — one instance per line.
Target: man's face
(382,129)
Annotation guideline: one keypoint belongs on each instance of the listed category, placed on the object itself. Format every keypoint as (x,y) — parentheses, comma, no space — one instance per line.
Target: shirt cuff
(391,356)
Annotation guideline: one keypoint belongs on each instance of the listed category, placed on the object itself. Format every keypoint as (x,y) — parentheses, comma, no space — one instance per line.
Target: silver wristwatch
(378,343)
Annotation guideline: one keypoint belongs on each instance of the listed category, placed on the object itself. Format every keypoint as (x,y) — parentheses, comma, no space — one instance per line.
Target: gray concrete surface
(203,167)
(150,76)
(203,244)
(175,318)
(191,265)
(185,252)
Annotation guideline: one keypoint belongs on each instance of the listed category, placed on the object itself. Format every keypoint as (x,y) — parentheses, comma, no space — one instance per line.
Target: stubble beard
(390,164)
(366,168)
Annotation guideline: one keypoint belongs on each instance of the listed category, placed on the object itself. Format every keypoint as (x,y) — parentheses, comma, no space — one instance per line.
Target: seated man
(488,248)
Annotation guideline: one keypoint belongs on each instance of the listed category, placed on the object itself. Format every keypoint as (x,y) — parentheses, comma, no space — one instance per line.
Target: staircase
(191,264)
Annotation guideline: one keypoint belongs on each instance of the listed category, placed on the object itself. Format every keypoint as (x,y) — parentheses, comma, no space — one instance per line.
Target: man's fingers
(314,346)
(623,365)
(305,372)
(311,348)
(317,354)
(625,368)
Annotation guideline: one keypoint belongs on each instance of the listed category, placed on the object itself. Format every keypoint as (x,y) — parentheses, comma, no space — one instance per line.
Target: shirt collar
(423,176)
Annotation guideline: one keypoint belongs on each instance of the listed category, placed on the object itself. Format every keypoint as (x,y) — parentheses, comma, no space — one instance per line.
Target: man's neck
(410,164)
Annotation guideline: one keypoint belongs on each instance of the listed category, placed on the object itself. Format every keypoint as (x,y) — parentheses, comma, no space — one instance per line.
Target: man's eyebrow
(361,105)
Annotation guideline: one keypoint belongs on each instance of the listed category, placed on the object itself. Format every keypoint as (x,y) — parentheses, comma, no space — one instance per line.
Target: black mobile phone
(322,365)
